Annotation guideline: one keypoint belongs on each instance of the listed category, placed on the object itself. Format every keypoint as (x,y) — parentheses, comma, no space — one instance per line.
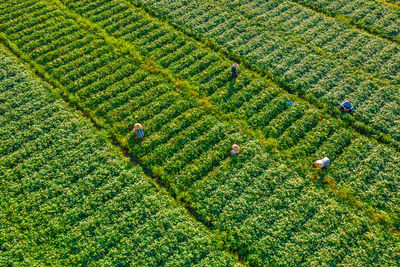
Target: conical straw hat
(235,147)
(319,164)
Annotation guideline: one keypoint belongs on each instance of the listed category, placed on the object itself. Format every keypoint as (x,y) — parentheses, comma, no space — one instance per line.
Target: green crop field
(78,188)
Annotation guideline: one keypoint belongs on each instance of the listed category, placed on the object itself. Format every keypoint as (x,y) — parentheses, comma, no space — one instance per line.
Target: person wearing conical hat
(235,150)
(139,131)
(322,163)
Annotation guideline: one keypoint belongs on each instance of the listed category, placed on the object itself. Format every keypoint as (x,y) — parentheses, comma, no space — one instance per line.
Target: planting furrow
(81,180)
(113,120)
(181,156)
(335,38)
(312,65)
(372,16)
(275,216)
(285,120)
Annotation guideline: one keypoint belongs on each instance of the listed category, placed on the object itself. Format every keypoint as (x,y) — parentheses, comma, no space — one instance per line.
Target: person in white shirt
(322,163)
(235,150)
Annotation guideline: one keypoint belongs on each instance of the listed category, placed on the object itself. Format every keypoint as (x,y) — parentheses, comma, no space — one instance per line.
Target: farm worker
(322,163)
(235,150)
(288,104)
(139,131)
(234,71)
(347,106)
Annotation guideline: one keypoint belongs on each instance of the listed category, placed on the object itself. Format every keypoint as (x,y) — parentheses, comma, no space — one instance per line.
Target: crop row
(184,144)
(119,91)
(263,109)
(109,83)
(365,51)
(156,104)
(275,217)
(295,67)
(170,49)
(208,71)
(109,97)
(300,129)
(290,22)
(69,198)
(371,15)
(126,22)
(370,170)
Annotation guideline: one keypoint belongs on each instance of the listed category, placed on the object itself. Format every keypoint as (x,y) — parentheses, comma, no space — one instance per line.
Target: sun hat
(138,126)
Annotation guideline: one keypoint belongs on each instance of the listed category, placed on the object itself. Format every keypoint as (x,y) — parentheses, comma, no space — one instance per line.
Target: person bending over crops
(347,106)
(234,73)
(235,150)
(322,163)
(139,131)
(288,104)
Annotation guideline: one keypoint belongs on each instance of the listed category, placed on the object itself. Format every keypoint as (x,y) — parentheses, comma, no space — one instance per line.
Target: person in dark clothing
(347,106)
(234,73)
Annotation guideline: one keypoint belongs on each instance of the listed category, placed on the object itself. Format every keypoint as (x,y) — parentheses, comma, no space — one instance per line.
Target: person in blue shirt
(234,73)
(288,104)
(139,131)
(347,106)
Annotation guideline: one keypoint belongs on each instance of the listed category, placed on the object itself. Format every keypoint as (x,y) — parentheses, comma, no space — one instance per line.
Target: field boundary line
(246,128)
(388,219)
(93,119)
(371,212)
(59,91)
(316,49)
(171,76)
(348,21)
(323,107)
(389,3)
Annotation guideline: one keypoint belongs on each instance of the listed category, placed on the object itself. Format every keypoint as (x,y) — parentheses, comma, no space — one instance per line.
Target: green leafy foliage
(120,65)
(68,198)
(306,53)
